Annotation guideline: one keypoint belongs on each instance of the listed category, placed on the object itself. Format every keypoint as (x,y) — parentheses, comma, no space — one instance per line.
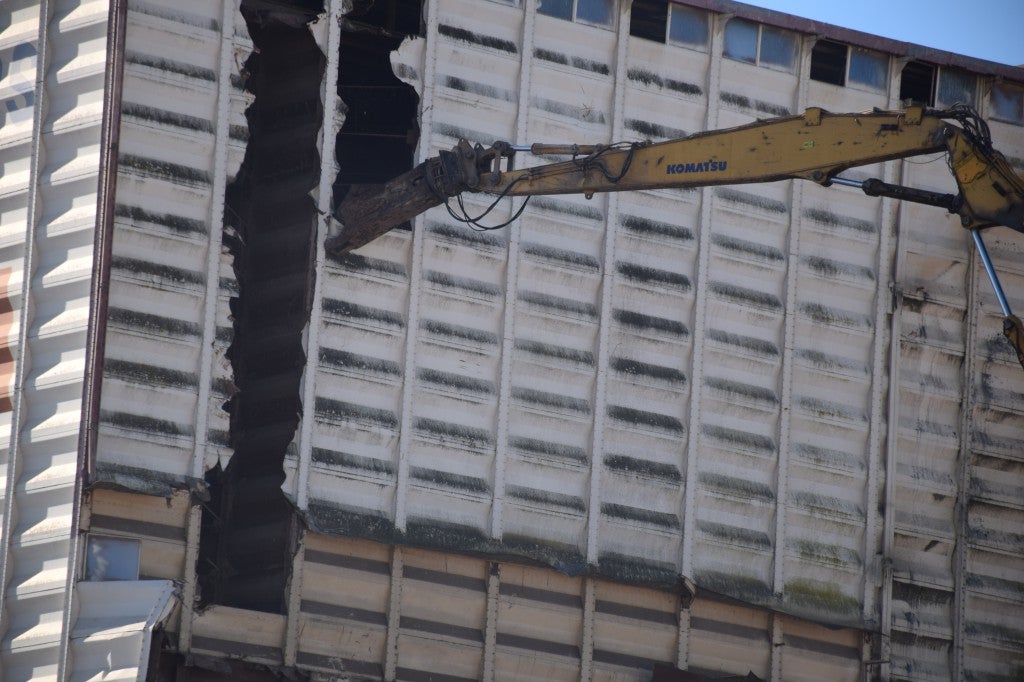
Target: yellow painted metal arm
(815,146)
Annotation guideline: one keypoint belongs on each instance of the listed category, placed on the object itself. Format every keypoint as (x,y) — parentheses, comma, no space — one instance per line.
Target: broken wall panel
(250,523)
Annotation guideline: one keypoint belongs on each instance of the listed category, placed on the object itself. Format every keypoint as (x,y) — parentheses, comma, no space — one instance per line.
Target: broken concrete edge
(805,601)
(337,521)
(124,478)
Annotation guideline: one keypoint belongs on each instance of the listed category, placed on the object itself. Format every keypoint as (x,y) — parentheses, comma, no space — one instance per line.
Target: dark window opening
(377,140)
(828,62)
(662,22)
(917,84)
(397,17)
(648,19)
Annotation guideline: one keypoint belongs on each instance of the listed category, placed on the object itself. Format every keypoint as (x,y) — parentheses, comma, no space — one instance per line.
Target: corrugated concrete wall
(52,65)
(713,383)
(183,137)
(794,397)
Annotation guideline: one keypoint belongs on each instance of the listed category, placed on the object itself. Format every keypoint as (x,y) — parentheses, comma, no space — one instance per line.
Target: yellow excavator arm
(815,146)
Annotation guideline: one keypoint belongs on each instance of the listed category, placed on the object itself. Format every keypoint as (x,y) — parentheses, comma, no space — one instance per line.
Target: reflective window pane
(112,558)
(1007,103)
(556,8)
(688,26)
(601,12)
(778,48)
(741,40)
(869,68)
(955,87)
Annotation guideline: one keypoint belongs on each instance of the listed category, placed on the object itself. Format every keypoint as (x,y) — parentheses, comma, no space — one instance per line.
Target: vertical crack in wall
(249,531)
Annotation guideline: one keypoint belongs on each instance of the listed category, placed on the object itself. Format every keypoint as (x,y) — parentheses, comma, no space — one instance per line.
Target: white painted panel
(115,626)
(51,216)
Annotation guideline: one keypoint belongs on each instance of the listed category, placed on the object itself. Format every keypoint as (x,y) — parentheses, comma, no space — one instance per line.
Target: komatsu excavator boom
(815,146)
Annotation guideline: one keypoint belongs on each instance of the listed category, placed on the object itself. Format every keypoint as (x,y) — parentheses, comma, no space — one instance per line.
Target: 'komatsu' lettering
(701,167)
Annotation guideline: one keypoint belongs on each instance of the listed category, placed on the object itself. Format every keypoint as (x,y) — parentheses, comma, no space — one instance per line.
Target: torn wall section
(378,139)
(249,527)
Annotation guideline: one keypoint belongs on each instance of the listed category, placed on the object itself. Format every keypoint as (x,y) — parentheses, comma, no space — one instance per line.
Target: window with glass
(110,558)
(688,27)
(595,12)
(840,64)
(870,69)
(1008,103)
(956,87)
(747,41)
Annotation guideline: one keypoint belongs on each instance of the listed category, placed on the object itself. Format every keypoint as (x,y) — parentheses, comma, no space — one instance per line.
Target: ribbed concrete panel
(542,390)
(649,326)
(50,140)
(744,286)
(836,426)
(166,183)
(222,388)
(991,563)
(558,300)
(934,294)
(830,428)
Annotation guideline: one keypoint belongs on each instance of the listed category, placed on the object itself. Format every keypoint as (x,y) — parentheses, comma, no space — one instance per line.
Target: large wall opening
(377,141)
(249,532)
(250,529)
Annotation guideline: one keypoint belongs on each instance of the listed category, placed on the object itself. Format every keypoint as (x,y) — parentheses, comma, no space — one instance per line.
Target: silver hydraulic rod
(990,269)
(849,183)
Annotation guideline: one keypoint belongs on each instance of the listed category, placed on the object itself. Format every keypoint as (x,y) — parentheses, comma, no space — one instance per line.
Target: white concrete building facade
(770,429)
